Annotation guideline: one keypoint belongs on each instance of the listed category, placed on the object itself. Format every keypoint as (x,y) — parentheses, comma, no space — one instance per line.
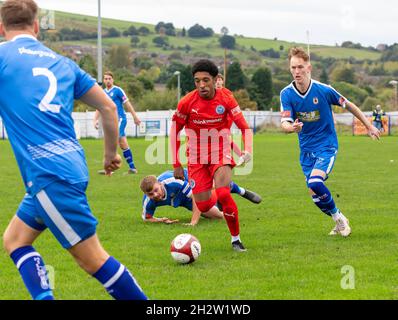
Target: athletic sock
(230,210)
(118,281)
(33,271)
(129,158)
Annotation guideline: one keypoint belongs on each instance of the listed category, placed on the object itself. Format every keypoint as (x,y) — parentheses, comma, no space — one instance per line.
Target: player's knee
(224,194)
(206,205)
(10,242)
(316,184)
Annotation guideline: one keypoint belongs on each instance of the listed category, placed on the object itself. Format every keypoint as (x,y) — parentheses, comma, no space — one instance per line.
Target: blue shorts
(122,127)
(321,160)
(63,208)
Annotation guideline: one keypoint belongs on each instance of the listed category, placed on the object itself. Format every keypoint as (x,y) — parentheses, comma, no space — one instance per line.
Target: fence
(158,123)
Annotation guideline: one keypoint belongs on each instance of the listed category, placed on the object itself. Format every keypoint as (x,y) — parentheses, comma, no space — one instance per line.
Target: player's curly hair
(205,65)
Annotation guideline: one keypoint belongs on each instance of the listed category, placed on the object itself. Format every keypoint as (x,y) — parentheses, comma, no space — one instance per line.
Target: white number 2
(45,104)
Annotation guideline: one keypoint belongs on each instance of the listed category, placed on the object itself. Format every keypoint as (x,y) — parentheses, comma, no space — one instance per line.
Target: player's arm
(130,109)
(178,122)
(160,220)
(97,98)
(373,132)
(291,127)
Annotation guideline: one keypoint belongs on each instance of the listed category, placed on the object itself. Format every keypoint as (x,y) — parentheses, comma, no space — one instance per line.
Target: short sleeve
(123,96)
(335,98)
(148,208)
(83,81)
(181,114)
(233,106)
(286,107)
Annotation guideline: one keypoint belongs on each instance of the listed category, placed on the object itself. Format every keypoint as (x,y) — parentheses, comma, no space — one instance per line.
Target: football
(185,248)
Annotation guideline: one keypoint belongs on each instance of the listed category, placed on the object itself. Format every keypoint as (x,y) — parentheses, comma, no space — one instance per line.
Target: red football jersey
(207,124)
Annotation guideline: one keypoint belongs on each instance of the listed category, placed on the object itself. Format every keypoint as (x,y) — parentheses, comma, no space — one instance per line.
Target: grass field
(290,255)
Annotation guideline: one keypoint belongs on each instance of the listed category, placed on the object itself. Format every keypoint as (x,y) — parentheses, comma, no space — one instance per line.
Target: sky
(319,22)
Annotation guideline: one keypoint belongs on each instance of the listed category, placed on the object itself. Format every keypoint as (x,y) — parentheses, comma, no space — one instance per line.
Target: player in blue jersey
(165,190)
(306,110)
(120,99)
(38,89)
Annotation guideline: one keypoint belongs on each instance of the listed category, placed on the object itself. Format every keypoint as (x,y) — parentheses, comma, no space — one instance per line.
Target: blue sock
(323,198)
(235,188)
(118,281)
(129,157)
(32,269)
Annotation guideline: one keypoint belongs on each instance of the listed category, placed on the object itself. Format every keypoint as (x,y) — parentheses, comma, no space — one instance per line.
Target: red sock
(230,209)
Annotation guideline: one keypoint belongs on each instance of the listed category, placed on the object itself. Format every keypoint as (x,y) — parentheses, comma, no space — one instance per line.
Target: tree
(261,89)
(161,41)
(235,77)
(165,28)
(343,73)
(324,78)
(243,99)
(224,30)
(113,33)
(88,64)
(198,31)
(118,57)
(186,80)
(144,31)
(227,42)
(183,32)
(134,40)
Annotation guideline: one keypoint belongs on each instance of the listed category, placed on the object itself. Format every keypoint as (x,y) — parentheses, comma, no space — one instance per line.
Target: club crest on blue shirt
(111,94)
(220,109)
(315,100)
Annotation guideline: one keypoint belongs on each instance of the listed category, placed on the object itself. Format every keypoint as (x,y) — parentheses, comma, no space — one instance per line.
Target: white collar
(107,90)
(24,35)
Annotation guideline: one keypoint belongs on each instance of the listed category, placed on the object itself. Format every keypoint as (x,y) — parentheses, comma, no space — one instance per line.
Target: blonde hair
(148,183)
(298,52)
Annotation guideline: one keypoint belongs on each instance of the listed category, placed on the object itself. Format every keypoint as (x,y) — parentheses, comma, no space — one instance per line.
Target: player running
(38,89)
(120,99)
(166,190)
(306,110)
(204,114)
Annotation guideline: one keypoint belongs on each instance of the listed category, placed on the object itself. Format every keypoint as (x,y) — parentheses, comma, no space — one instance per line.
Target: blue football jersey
(119,98)
(38,88)
(178,193)
(314,110)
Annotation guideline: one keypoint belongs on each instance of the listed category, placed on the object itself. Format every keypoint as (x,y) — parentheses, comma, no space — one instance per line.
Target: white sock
(242,191)
(337,215)
(234,238)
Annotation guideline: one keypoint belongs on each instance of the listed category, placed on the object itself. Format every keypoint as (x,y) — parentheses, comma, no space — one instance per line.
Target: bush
(158,100)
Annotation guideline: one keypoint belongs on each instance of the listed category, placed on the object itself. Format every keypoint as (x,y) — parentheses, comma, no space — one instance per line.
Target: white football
(185,248)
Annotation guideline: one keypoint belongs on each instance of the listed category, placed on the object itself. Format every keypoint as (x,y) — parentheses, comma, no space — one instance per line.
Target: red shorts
(201,175)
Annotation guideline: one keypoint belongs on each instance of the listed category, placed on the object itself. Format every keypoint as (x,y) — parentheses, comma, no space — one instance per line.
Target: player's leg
(114,276)
(127,154)
(65,210)
(322,196)
(18,238)
(245,193)
(214,212)
(222,180)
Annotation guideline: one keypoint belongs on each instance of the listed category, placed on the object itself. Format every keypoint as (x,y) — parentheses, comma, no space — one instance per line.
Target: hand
(244,158)
(137,121)
(374,133)
(112,163)
(169,221)
(297,126)
(179,173)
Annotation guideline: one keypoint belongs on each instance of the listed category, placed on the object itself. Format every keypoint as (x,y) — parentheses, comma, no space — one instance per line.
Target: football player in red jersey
(205,112)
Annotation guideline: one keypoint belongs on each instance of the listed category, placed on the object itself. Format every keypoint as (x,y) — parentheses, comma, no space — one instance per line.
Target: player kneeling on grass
(166,190)
(306,110)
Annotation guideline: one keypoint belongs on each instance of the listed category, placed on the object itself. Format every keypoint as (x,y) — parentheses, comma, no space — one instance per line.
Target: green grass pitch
(290,255)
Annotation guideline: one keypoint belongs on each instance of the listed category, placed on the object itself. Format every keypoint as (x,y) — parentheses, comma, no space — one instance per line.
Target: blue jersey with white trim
(314,110)
(178,193)
(38,88)
(119,98)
